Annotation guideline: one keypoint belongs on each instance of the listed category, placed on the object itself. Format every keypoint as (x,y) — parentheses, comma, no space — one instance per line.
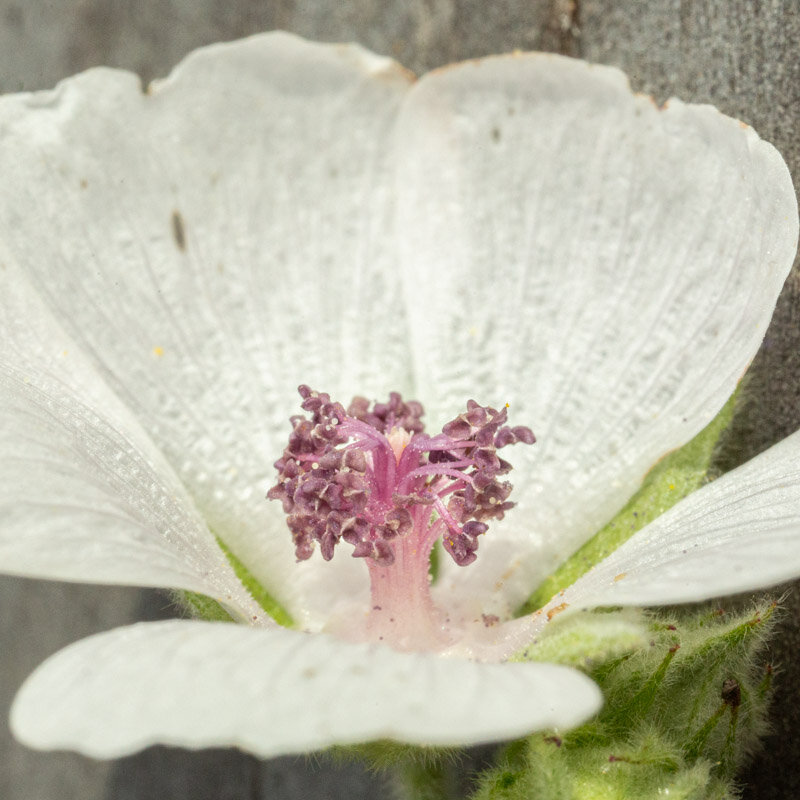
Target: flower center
(371,477)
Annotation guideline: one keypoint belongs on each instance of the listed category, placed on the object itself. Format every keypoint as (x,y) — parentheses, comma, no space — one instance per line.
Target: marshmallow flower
(520,230)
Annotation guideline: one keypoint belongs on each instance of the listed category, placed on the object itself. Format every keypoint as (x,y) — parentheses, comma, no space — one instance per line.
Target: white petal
(606,267)
(212,244)
(739,533)
(200,684)
(84,494)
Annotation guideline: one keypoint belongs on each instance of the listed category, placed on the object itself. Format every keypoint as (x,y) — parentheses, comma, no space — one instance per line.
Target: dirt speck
(179,231)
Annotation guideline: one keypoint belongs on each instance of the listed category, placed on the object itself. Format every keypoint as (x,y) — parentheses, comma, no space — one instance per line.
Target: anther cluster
(477,435)
(369,475)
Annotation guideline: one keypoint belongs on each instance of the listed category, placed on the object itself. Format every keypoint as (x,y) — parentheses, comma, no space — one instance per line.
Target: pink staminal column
(371,477)
(402,611)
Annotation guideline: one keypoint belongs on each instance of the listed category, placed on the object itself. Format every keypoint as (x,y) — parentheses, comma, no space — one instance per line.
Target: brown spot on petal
(556,610)
(179,231)
(650,99)
(620,576)
(14,17)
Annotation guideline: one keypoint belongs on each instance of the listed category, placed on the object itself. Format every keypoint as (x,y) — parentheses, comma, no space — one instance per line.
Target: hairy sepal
(674,477)
(681,717)
(200,606)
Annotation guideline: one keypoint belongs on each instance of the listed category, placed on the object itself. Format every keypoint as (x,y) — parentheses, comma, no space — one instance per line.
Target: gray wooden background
(741,55)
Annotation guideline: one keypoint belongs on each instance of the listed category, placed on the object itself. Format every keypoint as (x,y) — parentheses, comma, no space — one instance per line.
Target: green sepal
(415,782)
(413,772)
(681,716)
(201,606)
(256,589)
(646,770)
(674,477)
(204,607)
(385,754)
(586,639)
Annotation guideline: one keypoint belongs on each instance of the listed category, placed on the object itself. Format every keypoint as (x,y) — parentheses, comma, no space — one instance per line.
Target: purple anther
(523,434)
(458,429)
(369,476)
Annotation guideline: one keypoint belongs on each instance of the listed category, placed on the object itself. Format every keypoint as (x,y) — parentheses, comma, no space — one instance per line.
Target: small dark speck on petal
(179,230)
(84,183)
(495,134)
(14,17)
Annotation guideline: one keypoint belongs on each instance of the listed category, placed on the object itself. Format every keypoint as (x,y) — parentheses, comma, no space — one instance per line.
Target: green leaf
(674,477)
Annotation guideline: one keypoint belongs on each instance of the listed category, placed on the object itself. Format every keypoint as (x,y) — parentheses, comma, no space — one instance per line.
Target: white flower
(522,229)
